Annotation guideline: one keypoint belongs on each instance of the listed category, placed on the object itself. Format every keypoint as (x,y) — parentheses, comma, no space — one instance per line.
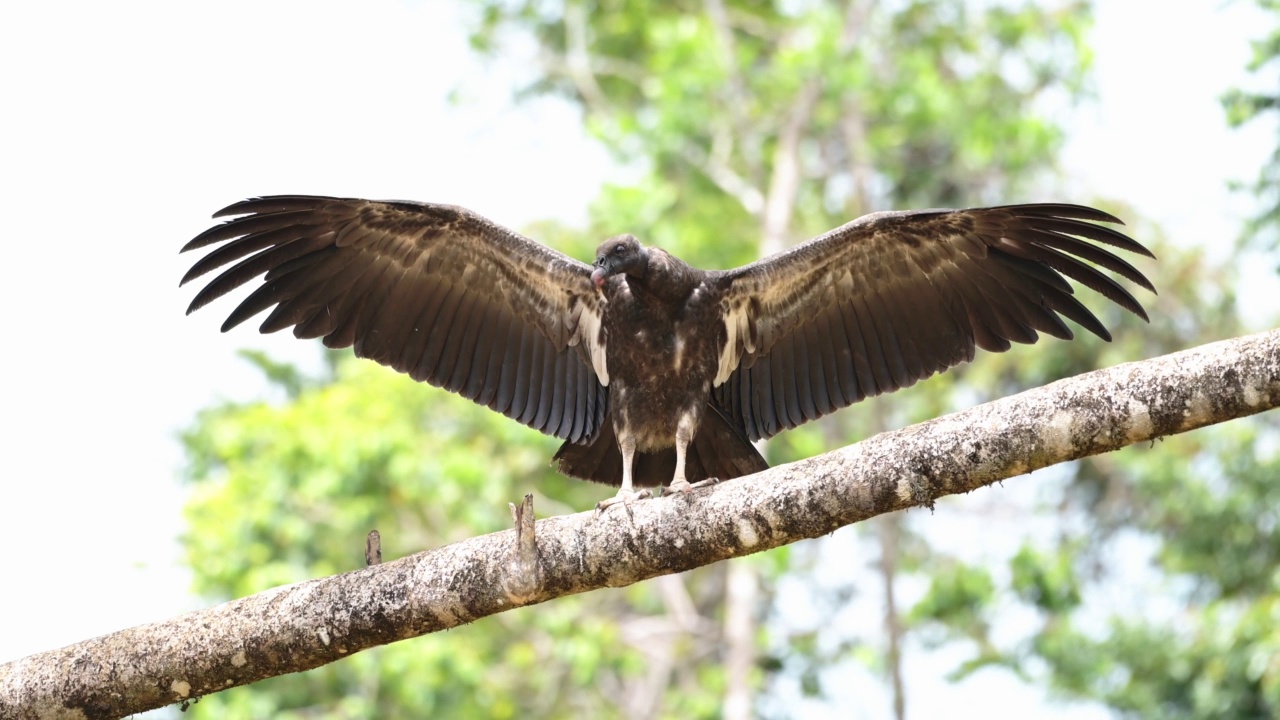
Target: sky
(126,124)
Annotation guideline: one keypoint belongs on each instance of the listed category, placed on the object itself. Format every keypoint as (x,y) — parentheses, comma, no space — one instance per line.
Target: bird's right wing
(893,298)
(434,291)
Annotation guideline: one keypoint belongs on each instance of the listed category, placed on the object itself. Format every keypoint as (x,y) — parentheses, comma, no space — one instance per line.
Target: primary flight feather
(654,372)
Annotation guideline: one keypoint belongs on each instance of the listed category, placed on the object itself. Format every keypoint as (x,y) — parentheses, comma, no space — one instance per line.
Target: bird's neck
(665,277)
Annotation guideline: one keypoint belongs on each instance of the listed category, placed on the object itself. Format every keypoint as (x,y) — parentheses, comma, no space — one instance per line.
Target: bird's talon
(685,487)
(625,498)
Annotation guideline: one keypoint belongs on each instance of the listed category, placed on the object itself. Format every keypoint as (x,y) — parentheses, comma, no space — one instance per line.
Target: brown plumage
(641,356)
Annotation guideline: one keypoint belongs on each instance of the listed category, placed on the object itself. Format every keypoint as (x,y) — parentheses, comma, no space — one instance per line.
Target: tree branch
(298,627)
(889,528)
(737,98)
(577,57)
(717,168)
(784,181)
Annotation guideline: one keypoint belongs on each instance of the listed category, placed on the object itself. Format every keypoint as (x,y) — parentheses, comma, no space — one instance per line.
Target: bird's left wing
(892,298)
(434,291)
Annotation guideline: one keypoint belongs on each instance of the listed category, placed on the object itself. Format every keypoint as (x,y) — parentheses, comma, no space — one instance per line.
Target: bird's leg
(684,435)
(626,496)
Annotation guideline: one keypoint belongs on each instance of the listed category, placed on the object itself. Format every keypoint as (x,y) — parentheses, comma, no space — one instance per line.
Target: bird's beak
(599,275)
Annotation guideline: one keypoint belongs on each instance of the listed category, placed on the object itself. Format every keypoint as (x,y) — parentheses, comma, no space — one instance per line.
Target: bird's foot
(681,485)
(625,498)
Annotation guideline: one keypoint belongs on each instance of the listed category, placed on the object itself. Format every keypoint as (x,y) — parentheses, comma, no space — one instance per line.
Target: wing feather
(878,376)
(520,399)
(556,400)
(892,298)
(429,366)
(813,389)
(533,409)
(434,291)
(476,365)
(497,346)
(509,390)
(458,361)
(832,336)
(781,369)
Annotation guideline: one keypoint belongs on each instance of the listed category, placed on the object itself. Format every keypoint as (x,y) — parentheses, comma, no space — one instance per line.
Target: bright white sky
(125,124)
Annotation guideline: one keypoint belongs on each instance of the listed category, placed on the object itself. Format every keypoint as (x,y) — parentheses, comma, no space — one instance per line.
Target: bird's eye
(619,249)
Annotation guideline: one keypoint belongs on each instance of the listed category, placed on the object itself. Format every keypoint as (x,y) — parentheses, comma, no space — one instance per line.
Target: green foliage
(958,596)
(1048,583)
(1243,106)
(1229,508)
(943,95)
(1223,666)
(1217,528)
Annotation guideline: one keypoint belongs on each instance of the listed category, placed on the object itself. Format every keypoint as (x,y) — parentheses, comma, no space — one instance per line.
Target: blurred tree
(1243,106)
(1154,588)
(749,125)
(1159,594)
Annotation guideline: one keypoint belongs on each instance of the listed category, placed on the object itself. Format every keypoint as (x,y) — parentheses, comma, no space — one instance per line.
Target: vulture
(651,371)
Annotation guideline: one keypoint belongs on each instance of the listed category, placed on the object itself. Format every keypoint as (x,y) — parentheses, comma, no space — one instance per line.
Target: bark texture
(298,627)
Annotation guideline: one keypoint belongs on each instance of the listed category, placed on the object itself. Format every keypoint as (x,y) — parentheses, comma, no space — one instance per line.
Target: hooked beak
(599,275)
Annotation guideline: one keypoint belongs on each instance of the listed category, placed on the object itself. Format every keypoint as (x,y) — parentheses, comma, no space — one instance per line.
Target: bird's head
(619,254)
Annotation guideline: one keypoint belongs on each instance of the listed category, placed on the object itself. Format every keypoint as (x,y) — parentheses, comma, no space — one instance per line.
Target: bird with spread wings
(654,372)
